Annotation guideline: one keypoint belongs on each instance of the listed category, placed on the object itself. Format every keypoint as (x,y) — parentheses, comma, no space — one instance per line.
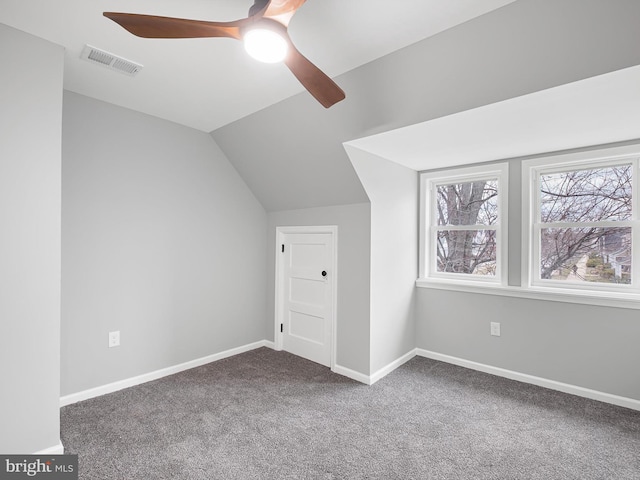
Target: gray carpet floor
(266,414)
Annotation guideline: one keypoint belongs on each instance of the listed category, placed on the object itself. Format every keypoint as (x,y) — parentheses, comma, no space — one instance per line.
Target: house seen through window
(583,228)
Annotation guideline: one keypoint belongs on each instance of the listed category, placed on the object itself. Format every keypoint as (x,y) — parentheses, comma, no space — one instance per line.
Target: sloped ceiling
(291,154)
(208,82)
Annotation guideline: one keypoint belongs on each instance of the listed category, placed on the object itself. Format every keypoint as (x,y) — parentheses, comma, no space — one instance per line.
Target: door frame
(279,310)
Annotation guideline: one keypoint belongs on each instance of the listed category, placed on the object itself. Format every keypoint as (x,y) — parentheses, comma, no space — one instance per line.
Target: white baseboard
(55,450)
(541,382)
(347,372)
(384,371)
(147,377)
(352,374)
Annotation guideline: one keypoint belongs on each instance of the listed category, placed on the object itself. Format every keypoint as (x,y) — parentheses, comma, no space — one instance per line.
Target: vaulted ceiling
(400,63)
(207,83)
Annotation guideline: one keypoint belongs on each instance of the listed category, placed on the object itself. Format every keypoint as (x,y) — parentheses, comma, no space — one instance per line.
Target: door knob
(324,273)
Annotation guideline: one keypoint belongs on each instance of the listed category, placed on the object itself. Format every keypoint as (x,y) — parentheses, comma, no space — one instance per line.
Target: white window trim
(611,299)
(558,163)
(427,270)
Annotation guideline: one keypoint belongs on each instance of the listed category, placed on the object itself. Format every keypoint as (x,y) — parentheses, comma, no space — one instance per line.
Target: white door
(306,279)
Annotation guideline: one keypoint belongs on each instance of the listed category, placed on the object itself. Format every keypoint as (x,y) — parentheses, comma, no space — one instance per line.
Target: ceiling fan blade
(313,79)
(151,26)
(279,12)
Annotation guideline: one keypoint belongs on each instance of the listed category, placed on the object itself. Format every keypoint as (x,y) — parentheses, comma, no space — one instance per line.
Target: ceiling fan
(268,21)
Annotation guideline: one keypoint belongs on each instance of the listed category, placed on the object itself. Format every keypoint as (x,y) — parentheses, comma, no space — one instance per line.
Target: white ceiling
(208,83)
(596,111)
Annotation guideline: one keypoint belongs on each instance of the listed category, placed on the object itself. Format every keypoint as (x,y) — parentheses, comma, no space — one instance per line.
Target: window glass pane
(601,255)
(586,195)
(467,251)
(469,203)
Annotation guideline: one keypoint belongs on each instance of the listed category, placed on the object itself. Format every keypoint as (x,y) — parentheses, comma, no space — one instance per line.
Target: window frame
(532,226)
(428,223)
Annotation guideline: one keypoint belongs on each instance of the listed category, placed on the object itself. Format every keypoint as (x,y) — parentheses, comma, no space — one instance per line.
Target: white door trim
(280,233)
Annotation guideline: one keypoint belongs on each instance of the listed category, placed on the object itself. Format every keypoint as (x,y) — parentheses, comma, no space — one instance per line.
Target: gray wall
(290,154)
(588,346)
(354,258)
(161,240)
(30,124)
(583,345)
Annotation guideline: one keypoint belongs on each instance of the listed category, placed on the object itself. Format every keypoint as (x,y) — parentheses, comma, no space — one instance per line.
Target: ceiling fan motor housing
(257,6)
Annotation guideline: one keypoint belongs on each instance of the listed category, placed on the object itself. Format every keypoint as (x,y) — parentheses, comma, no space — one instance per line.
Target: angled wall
(291,155)
(30,125)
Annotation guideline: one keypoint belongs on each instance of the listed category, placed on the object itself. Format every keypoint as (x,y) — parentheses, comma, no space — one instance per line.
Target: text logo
(49,467)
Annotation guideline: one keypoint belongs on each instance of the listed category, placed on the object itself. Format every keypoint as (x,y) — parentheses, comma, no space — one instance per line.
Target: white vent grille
(109,60)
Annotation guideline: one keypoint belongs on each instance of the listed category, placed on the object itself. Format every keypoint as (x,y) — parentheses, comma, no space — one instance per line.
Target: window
(580,221)
(464,224)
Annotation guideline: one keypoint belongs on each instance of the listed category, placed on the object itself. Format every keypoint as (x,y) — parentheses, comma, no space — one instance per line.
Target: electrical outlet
(114,339)
(495,329)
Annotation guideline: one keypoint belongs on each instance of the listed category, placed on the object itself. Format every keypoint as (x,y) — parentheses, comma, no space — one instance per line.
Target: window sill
(603,299)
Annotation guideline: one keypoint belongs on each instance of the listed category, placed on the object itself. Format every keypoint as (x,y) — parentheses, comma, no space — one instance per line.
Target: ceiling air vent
(109,60)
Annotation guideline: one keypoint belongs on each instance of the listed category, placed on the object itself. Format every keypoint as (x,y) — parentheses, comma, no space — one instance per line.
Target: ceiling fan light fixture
(265,45)
(272,45)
